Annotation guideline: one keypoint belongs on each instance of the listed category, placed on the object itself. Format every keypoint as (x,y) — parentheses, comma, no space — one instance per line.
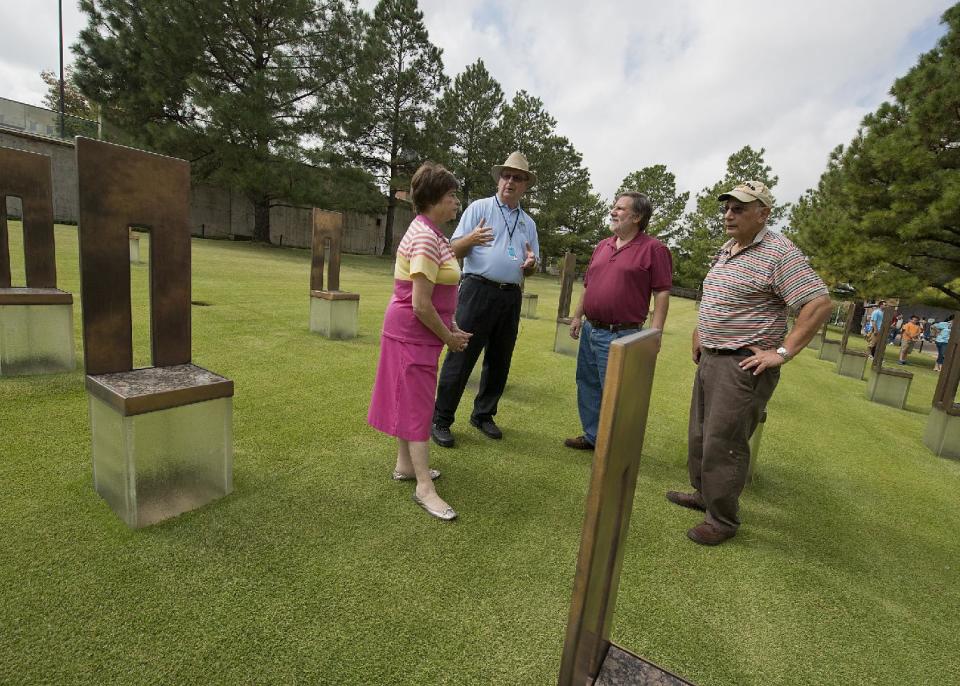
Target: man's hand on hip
(761,360)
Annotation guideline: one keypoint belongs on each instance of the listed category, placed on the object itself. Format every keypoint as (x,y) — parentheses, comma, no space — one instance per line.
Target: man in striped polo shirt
(738,346)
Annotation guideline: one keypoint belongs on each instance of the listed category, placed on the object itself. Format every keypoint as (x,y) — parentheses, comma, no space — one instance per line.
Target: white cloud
(684,83)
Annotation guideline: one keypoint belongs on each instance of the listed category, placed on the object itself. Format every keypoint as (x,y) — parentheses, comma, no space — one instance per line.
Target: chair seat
(158,388)
(34,296)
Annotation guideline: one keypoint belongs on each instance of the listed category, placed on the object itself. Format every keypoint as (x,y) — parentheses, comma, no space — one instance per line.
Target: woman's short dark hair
(641,206)
(429,184)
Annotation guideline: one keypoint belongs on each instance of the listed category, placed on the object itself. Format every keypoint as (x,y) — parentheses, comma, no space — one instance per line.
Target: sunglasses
(518,178)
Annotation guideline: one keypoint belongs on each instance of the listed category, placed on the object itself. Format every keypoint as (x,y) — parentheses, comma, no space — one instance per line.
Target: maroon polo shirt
(618,283)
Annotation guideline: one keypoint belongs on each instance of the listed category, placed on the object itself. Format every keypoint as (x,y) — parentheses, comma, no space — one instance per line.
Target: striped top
(423,250)
(746,296)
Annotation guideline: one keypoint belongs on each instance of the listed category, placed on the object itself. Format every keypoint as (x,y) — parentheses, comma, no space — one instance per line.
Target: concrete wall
(66,207)
(214,212)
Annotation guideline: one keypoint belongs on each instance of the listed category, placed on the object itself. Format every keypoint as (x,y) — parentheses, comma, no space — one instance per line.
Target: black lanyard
(510,231)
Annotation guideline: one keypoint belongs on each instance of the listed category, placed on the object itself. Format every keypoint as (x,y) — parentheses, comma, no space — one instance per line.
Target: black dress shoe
(487,428)
(442,436)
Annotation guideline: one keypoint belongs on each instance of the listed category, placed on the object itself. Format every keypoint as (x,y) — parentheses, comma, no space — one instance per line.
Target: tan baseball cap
(748,191)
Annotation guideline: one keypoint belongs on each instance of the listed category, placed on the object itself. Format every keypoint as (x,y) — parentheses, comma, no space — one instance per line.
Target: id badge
(512,253)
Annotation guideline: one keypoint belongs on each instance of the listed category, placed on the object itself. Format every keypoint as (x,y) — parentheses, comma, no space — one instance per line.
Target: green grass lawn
(319,568)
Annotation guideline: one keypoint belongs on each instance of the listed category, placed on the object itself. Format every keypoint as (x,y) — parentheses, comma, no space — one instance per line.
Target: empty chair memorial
(134,248)
(36,320)
(829,348)
(162,435)
(589,657)
(528,305)
(333,313)
(850,363)
(942,434)
(562,343)
(887,386)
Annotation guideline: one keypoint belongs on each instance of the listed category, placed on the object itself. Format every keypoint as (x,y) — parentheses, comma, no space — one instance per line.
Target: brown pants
(724,411)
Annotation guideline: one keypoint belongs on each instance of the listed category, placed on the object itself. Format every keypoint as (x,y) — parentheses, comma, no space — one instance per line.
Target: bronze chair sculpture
(589,657)
(942,434)
(36,320)
(887,386)
(850,363)
(333,313)
(162,435)
(562,343)
(829,348)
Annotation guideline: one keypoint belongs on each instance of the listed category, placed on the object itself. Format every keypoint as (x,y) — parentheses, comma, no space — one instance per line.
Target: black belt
(495,284)
(613,328)
(738,352)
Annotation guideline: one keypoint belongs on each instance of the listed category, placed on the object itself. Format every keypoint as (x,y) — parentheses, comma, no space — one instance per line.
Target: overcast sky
(683,83)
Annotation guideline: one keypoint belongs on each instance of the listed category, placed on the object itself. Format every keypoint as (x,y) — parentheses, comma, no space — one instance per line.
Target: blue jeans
(591,370)
(941,349)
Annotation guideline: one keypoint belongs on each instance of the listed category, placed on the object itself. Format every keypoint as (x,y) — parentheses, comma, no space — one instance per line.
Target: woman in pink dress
(417,324)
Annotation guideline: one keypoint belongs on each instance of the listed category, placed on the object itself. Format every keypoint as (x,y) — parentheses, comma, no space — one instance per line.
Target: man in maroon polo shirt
(739,345)
(624,271)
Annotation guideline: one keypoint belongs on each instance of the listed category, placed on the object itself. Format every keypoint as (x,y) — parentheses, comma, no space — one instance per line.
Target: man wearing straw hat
(498,243)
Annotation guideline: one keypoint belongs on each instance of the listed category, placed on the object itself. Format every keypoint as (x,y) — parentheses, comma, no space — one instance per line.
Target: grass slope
(319,568)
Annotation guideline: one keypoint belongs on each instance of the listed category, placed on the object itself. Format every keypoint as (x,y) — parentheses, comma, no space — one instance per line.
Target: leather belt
(613,328)
(738,352)
(495,284)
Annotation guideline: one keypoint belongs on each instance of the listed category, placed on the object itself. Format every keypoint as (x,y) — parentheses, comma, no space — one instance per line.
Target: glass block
(528,306)
(36,339)
(562,342)
(852,364)
(135,249)
(830,351)
(334,318)
(153,466)
(942,435)
(889,389)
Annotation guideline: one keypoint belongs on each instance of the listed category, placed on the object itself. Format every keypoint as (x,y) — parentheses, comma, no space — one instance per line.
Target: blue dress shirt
(493,261)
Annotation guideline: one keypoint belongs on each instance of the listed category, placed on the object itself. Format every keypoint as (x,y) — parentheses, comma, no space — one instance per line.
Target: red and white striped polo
(746,296)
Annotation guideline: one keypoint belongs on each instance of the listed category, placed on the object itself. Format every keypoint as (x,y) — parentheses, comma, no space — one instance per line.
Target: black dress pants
(492,315)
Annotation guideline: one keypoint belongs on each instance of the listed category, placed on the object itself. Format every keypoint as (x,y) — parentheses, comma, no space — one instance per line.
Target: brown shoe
(691,500)
(578,443)
(705,533)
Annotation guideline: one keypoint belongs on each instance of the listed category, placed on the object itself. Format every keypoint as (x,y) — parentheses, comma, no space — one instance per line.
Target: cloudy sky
(683,83)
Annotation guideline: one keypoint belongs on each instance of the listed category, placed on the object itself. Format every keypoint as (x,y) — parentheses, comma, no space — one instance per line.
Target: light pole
(60,12)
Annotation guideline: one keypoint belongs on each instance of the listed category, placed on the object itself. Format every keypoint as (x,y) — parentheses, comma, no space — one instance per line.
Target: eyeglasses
(518,178)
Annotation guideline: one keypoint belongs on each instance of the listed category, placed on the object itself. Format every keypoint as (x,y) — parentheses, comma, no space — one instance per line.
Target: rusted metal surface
(27,175)
(623,421)
(34,296)
(334,295)
(945,395)
(623,668)
(120,187)
(327,240)
(158,388)
(567,274)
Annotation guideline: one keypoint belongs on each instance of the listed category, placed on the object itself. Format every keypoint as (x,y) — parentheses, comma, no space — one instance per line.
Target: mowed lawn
(319,568)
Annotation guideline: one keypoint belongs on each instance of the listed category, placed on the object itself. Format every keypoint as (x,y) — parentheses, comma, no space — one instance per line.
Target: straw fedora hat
(518,161)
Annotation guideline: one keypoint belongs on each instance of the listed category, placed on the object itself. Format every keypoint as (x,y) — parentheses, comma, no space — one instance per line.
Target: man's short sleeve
(661,269)
(795,281)
(586,274)
(468,220)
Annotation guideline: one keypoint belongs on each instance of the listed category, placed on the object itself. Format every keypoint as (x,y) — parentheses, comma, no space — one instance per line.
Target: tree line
(319,102)
(885,215)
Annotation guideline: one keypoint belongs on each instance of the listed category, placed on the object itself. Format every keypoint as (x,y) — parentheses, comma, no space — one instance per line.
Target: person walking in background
(876,323)
(941,332)
(498,243)
(739,344)
(627,271)
(417,324)
(909,334)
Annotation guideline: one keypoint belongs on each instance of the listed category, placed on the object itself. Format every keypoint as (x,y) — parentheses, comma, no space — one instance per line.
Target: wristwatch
(784,353)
